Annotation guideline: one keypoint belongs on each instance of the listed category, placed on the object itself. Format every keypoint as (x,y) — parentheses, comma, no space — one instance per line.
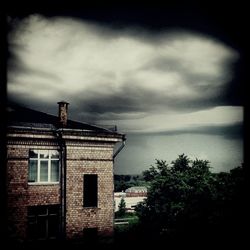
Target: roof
(136,189)
(24,117)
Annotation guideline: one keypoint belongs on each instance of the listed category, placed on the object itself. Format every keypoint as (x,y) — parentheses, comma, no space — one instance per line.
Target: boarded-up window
(90,191)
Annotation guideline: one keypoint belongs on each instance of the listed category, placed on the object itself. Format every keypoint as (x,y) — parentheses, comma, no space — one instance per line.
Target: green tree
(181,163)
(122,182)
(121,208)
(187,197)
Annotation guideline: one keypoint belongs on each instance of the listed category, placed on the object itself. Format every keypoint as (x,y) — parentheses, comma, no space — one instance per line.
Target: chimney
(63,113)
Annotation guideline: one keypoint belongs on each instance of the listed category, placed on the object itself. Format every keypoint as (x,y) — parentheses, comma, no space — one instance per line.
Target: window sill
(42,183)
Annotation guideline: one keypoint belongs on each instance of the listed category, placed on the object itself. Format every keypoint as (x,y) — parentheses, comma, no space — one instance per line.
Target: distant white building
(136,191)
(132,196)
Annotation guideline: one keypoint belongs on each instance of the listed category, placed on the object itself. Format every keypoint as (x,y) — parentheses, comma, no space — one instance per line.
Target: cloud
(204,121)
(228,131)
(130,76)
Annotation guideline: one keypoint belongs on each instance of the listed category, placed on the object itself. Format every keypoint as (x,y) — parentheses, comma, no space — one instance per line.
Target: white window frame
(39,160)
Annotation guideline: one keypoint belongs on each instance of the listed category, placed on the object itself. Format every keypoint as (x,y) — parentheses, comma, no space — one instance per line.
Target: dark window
(90,190)
(90,235)
(43,222)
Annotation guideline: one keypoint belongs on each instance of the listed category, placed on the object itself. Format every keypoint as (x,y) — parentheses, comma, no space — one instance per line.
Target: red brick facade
(86,153)
(91,158)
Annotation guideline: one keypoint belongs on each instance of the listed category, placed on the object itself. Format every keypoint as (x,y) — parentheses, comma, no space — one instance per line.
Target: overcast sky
(172,90)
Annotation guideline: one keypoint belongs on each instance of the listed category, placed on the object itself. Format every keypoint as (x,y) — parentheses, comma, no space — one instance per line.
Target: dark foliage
(122,182)
(187,201)
(121,208)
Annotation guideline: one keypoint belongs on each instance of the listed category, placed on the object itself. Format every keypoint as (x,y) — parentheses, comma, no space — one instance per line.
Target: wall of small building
(83,157)
(21,194)
(89,158)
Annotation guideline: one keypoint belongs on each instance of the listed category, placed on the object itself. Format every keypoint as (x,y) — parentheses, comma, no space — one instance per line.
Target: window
(43,222)
(90,235)
(90,190)
(43,166)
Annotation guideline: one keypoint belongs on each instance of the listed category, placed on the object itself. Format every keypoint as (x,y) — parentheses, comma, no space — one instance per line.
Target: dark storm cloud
(133,101)
(170,78)
(201,81)
(21,68)
(118,74)
(228,131)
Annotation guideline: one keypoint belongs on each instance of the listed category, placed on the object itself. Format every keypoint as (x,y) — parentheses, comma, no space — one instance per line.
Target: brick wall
(20,194)
(85,155)
(89,160)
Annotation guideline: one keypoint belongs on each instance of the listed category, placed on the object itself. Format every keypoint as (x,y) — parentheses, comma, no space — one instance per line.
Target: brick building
(59,176)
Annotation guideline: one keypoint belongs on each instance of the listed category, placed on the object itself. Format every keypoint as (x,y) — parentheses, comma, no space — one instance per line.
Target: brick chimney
(63,113)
